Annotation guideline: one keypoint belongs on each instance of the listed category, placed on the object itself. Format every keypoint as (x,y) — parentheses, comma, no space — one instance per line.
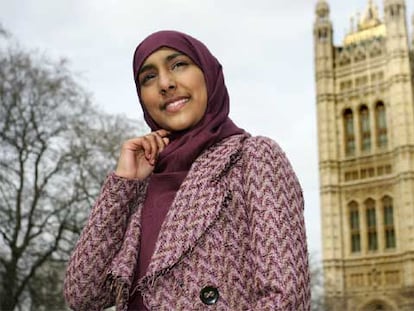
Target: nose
(166,82)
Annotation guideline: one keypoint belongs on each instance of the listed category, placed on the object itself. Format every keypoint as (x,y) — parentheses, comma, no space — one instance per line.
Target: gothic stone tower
(365,112)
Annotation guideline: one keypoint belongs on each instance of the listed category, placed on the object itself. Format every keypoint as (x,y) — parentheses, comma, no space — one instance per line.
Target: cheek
(148,100)
(204,101)
(203,92)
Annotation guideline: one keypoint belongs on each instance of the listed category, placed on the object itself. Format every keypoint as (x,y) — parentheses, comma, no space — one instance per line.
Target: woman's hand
(138,155)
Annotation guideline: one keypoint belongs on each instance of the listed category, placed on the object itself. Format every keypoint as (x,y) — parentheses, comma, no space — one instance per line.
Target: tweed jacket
(235,228)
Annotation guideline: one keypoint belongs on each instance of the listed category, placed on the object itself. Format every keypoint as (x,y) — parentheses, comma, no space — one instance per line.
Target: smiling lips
(175,105)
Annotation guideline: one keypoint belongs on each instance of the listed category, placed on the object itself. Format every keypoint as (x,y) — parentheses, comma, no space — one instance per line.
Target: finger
(166,140)
(163,133)
(148,148)
(151,141)
(162,142)
(140,144)
(158,143)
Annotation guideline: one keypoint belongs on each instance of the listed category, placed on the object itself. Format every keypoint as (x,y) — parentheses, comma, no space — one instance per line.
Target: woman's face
(173,89)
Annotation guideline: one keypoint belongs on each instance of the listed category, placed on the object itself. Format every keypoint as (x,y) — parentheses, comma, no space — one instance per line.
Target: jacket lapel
(196,206)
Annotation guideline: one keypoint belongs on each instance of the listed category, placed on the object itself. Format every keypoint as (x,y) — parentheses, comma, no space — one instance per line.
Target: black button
(209,295)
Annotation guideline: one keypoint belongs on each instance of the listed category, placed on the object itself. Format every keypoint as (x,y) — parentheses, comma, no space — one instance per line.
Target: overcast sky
(265,47)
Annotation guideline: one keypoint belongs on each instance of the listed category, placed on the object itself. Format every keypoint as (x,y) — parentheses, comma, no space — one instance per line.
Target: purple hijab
(185,146)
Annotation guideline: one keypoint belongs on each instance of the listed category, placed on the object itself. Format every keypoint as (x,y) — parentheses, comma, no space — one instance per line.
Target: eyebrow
(167,59)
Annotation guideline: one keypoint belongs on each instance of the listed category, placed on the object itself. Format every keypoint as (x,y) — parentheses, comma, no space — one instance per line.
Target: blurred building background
(365,112)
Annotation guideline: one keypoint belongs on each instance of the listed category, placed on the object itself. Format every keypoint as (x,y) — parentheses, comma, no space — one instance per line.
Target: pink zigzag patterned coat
(236,225)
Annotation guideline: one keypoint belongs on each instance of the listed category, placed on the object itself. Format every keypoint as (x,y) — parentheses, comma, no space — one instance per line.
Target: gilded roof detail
(368,27)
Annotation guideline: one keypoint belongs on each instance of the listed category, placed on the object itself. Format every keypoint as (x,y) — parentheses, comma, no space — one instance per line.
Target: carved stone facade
(365,114)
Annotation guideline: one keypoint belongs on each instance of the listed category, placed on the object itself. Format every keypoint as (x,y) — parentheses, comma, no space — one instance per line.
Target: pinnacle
(322,8)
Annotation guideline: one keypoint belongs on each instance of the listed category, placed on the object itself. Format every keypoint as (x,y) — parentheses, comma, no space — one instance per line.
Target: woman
(198,215)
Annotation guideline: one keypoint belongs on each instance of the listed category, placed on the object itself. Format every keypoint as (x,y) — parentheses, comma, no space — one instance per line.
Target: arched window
(354,227)
(381,125)
(365,129)
(389,230)
(323,33)
(375,51)
(345,60)
(360,55)
(377,305)
(371,219)
(349,132)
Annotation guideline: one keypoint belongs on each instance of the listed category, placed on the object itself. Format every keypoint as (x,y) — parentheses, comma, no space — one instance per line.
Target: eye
(179,64)
(145,78)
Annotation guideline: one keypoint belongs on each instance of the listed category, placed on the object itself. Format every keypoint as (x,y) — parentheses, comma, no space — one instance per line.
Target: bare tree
(318,296)
(3,32)
(56,148)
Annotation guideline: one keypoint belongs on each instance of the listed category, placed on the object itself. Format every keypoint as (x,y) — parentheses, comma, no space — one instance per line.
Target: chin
(179,127)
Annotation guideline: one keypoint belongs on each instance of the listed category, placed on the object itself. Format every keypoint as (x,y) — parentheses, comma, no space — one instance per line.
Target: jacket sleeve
(85,285)
(279,251)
